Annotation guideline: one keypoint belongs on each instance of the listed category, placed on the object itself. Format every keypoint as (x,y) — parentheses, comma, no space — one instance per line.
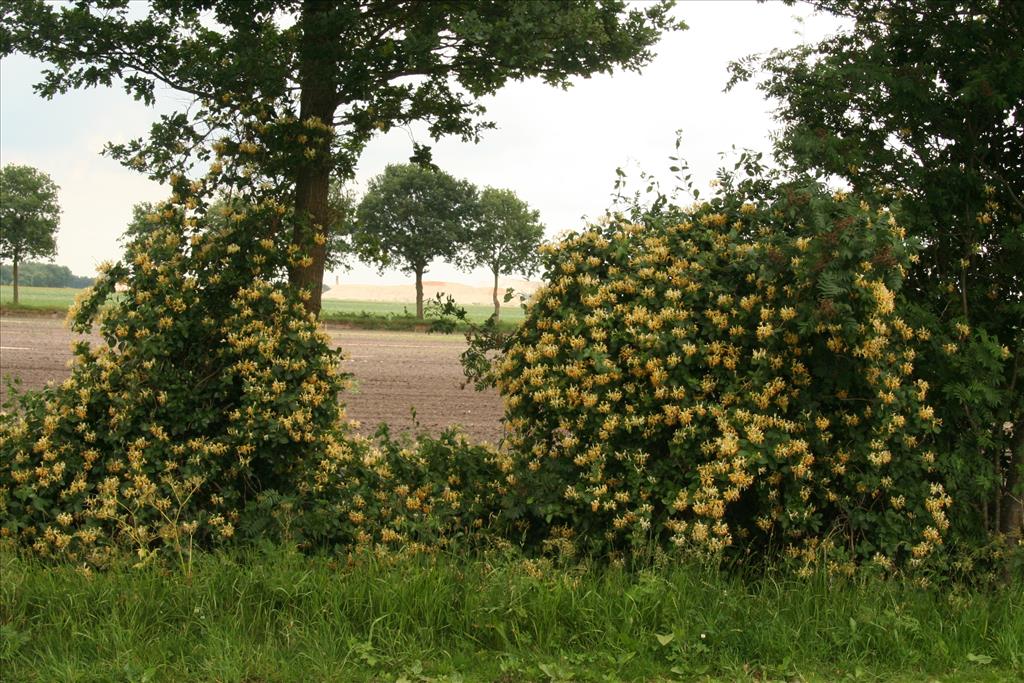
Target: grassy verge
(373,315)
(278,616)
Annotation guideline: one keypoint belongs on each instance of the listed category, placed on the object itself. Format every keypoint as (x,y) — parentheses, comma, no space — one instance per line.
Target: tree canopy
(413,214)
(918,107)
(506,237)
(291,91)
(29,216)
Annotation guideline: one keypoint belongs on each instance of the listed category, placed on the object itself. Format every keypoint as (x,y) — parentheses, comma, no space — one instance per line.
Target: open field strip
(44,298)
(409,380)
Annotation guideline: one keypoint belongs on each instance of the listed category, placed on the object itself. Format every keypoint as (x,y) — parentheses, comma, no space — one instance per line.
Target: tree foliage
(413,214)
(292,90)
(506,237)
(342,201)
(29,216)
(917,106)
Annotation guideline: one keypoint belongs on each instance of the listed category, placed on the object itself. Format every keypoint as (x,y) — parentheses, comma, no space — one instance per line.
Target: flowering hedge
(733,376)
(210,412)
(212,384)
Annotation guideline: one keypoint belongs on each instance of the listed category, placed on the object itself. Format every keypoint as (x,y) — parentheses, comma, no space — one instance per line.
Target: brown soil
(394,373)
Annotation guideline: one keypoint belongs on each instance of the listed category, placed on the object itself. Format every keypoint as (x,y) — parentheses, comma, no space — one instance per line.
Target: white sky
(558,150)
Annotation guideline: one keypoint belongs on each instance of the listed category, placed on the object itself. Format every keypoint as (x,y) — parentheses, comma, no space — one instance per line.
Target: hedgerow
(210,412)
(734,377)
(730,377)
(211,385)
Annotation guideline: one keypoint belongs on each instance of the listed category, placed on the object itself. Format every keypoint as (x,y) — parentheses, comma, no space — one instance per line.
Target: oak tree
(506,237)
(411,215)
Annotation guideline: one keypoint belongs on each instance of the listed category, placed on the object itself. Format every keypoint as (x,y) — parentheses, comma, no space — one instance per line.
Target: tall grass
(274,615)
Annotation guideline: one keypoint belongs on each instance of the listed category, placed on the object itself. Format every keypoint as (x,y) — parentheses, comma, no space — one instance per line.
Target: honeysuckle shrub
(730,377)
(390,495)
(211,385)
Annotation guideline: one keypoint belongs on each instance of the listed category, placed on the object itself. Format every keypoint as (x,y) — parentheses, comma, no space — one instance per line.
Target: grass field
(478,313)
(39,298)
(371,314)
(273,615)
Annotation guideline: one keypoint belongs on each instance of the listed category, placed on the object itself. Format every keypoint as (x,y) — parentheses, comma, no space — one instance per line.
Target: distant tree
(44,275)
(411,215)
(29,216)
(506,237)
(291,91)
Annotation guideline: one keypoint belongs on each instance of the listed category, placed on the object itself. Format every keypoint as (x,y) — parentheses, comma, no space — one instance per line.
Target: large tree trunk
(319,100)
(14,278)
(497,304)
(419,293)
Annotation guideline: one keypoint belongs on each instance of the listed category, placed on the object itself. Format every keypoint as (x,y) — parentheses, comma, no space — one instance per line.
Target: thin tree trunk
(419,293)
(14,278)
(497,304)
(1011,521)
(319,100)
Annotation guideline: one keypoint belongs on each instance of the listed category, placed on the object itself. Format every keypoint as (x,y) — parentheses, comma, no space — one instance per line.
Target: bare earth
(394,373)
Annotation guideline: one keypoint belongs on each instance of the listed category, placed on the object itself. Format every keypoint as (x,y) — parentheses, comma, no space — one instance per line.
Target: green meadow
(54,299)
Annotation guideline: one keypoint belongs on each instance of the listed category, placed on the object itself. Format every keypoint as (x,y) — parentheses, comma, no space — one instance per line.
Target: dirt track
(394,373)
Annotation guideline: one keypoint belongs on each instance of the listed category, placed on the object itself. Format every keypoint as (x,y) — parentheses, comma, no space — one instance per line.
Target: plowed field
(394,372)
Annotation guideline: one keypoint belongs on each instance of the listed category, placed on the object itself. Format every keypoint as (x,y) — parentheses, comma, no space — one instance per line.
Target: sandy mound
(464,294)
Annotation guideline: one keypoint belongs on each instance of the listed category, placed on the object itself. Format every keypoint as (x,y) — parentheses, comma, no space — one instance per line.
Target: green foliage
(210,413)
(733,376)
(29,216)
(341,226)
(506,237)
(44,275)
(916,106)
(412,215)
(366,50)
(392,496)
(29,213)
